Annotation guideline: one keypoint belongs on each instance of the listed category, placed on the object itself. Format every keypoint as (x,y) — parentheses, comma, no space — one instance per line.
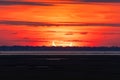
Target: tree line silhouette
(44,48)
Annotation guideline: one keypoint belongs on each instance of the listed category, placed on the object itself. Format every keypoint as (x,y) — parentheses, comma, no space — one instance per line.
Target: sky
(60,22)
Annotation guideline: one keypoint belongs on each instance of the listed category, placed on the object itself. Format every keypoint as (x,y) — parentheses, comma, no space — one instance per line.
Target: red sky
(40,22)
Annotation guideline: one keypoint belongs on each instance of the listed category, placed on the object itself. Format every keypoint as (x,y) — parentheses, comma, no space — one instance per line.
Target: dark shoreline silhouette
(68,66)
(44,48)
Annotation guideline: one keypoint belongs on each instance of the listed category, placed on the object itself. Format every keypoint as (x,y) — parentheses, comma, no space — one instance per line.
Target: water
(60,53)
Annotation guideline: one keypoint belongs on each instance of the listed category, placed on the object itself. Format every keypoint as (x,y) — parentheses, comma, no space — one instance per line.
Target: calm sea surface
(59,52)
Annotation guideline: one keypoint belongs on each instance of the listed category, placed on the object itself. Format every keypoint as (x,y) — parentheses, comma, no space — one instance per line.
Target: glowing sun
(61,43)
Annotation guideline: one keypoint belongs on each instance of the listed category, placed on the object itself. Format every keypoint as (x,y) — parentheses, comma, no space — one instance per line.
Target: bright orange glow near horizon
(62,43)
(83,24)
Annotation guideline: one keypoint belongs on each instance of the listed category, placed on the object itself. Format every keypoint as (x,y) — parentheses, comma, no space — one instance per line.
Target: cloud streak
(100,0)
(27,23)
(20,2)
(35,24)
(24,3)
(95,0)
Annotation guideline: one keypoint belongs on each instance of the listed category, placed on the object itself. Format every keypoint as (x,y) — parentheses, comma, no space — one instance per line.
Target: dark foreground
(59,66)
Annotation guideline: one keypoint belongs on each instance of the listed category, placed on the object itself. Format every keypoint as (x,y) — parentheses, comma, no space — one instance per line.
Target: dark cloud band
(102,0)
(24,3)
(95,0)
(35,24)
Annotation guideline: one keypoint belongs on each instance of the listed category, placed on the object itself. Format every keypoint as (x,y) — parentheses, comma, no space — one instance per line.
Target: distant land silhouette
(44,48)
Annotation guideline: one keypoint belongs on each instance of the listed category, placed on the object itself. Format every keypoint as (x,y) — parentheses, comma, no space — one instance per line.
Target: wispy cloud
(111,33)
(35,24)
(49,3)
(95,0)
(89,24)
(24,3)
(29,40)
(100,0)
(80,40)
(27,23)
(81,33)
(85,1)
